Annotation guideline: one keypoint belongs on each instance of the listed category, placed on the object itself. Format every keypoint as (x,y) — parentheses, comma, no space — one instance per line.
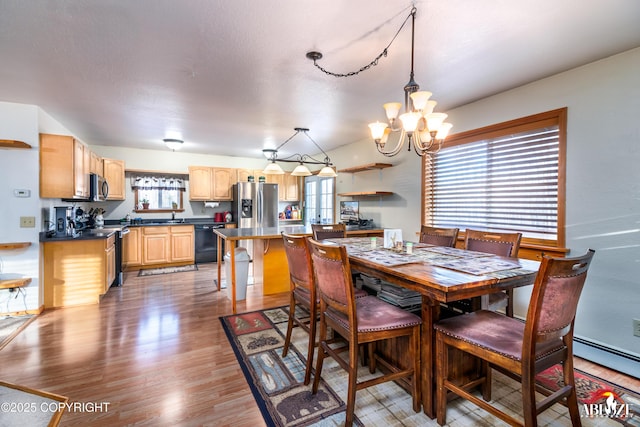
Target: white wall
(603,183)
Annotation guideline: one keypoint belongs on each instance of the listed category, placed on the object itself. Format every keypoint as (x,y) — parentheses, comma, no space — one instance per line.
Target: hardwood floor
(155,351)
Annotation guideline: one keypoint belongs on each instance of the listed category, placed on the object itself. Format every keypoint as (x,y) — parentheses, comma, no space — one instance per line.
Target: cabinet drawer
(155,230)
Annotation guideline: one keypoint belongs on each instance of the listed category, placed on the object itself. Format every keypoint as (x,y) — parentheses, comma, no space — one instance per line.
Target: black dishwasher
(206,242)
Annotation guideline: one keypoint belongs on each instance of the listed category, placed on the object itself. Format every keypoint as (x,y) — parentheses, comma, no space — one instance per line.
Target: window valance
(157,183)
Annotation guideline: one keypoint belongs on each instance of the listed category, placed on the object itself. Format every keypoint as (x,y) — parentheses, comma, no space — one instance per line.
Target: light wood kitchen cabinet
(242,175)
(208,183)
(77,272)
(64,167)
(171,244)
(288,186)
(96,164)
(132,248)
(114,174)
(182,243)
(155,245)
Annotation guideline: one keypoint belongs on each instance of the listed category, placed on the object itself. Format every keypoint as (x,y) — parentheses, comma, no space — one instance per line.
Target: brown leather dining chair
(520,350)
(303,293)
(328,231)
(501,244)
(439,236)
(360,321)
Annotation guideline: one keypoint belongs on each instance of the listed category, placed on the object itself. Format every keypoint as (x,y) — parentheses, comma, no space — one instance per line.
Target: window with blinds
(507,177)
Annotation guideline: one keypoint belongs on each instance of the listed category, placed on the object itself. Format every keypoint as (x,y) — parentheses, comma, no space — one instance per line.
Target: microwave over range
(98,188)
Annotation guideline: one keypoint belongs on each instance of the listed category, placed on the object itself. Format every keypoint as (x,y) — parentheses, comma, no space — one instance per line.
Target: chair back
(328,231)
(332,273)
(501,244)
(554,300)
(299,260)
(439,236)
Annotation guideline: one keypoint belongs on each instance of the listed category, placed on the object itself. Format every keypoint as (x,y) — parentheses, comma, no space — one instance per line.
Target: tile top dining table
(440,275)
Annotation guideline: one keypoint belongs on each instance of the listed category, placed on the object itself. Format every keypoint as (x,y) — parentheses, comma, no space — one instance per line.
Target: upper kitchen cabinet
(242,175)
(96,165)
(208,183)
(288,186)
(64,167)
(114,175)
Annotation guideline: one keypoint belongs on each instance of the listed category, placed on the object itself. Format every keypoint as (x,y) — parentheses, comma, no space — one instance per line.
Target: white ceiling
(231,77)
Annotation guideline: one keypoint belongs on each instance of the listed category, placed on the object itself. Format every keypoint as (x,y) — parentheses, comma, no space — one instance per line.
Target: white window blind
(505,183)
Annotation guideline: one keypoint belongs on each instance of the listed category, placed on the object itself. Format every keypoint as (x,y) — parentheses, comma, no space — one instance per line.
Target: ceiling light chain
(315,56)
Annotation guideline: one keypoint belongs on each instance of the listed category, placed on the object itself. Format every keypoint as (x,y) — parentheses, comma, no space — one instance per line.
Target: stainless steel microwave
(98,188)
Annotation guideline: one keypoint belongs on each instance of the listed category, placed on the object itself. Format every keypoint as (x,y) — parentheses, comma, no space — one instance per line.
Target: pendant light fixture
(303,160)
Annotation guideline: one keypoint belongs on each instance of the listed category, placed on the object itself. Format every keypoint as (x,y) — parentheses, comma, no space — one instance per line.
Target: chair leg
(529,400)
(572,398)
(322,342)
(442,372)
(311,346)
(353,379)
(486,386)
(292,312)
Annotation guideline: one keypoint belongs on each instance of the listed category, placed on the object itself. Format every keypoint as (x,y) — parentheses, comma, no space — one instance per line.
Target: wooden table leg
(233,278)
(430,314)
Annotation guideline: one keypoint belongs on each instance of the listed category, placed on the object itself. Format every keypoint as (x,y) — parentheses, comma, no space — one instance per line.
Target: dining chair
(360,321)
(501,244)
(303,293)
(520,350)
(439,236)
(328,231)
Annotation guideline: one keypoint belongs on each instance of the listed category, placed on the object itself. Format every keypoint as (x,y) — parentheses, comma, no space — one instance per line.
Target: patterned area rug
(257,339)
(167,270)
(24,406)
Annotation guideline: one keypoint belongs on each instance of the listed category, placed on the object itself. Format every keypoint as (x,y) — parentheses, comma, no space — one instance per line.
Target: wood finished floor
(155,350)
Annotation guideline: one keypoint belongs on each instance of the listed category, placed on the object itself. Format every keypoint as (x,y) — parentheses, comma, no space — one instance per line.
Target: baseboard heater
(610,357)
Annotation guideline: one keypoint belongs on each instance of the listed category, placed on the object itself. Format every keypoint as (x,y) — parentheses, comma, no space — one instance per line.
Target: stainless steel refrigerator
(255,205)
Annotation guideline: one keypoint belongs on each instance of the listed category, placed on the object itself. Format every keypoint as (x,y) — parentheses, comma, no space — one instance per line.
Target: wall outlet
(27,221)
(636,327)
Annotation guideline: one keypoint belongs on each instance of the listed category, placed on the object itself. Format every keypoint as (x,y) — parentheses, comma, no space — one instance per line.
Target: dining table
(440,275)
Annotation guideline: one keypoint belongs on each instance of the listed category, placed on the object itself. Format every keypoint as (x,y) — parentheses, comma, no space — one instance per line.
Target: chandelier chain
(375,61)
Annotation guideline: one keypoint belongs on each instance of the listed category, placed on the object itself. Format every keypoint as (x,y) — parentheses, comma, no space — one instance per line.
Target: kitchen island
(269,259)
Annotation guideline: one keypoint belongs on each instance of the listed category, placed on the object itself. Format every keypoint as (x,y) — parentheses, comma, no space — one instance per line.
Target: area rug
(10,326)
(276,383)
(167,270)
(24,406)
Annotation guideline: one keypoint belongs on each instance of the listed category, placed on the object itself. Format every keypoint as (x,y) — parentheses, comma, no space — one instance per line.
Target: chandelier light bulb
(443,131)
(377,130)
(392,109)
(410,121)
(420,99)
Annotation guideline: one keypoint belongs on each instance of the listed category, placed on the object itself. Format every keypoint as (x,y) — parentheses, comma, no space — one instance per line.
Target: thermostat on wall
(22,193)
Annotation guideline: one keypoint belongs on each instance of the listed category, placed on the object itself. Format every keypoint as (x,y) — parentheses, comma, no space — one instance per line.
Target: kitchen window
(319,196)
(507,177)
(158,193)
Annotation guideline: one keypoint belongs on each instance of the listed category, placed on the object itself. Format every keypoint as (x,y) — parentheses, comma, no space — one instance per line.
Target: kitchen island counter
(270,266)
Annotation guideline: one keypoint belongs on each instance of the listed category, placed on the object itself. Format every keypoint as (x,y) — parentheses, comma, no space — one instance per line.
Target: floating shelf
(366,193)
(368,167)
(16,245)
(10,143)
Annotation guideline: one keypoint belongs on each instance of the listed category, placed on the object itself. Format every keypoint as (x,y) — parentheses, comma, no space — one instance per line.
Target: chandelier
(302,159)
(418,126)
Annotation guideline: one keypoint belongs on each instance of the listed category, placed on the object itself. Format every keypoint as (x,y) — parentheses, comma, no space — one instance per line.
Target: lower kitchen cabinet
(159,245)
(77,272)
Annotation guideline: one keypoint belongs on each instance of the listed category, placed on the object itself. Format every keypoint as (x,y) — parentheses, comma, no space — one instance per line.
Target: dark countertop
(88,234)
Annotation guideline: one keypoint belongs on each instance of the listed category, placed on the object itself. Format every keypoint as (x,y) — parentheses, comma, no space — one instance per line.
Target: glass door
(319,200)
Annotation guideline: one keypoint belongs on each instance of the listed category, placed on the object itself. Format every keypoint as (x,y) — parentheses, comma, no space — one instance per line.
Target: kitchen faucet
(173,216)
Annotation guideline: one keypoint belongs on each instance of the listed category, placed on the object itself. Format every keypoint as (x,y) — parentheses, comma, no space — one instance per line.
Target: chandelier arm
(315,55)
(326,156)
(288,139)
(396,149)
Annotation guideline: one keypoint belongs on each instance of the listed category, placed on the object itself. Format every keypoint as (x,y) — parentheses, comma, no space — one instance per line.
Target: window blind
(506,183)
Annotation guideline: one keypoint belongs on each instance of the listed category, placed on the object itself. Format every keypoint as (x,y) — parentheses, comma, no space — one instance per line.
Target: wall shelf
(10,143)
(366,194)
(367,167)
(16,245)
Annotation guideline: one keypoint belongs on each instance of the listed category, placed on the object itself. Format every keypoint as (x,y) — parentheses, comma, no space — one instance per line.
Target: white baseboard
(607,356)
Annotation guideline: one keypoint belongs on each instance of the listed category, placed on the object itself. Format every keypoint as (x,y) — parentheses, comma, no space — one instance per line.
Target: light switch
(27,221)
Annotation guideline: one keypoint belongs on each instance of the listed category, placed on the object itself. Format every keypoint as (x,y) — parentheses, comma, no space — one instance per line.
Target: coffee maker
(64,225)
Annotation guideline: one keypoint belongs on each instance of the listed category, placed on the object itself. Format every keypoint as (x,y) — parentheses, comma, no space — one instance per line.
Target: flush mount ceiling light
(419,126)
(173,144)
(302,159)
